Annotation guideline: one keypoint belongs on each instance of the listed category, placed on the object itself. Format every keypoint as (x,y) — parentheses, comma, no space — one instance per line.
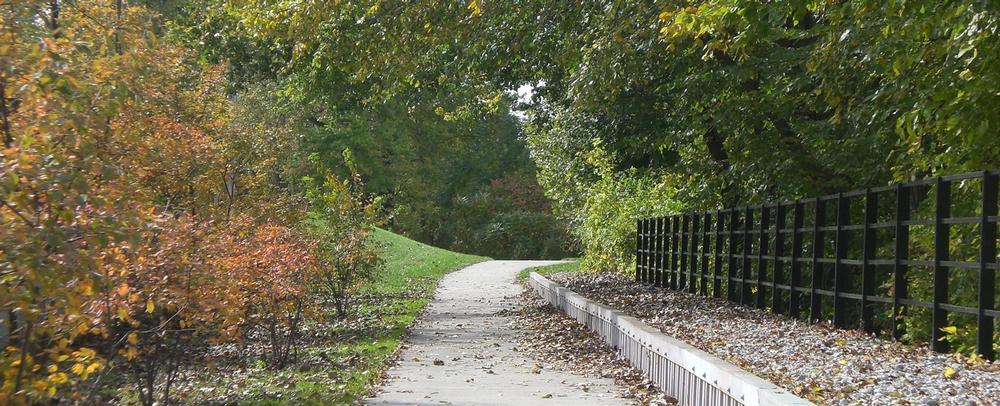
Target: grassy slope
(572,266)
(408,261)
(341,366)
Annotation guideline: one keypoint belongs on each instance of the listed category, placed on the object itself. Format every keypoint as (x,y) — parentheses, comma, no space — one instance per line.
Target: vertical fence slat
(987,277)
(674,254)
(794,279)
(717,269)
(650,246)
(731,271)
(651,251)
(840,276)
(662,242)
(706,252)
(744,286)
(778,264)
(668,239)
(867,271)
(815,302)
(646,229)
(668,254)
(693,249)
(684,253)
(942,211)
(638,250)
(663,274)
(762,244)
(657,251)
(902,253)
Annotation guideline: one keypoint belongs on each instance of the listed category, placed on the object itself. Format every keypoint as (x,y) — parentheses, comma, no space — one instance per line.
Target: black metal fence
(869,258)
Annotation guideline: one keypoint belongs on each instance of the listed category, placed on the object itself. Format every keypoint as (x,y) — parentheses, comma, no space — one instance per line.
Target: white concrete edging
(692,376)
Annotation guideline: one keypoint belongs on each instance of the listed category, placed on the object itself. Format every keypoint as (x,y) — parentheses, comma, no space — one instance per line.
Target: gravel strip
(814,361)
(556,341)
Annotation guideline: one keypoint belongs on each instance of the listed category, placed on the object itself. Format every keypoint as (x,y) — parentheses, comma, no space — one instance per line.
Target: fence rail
(871,258)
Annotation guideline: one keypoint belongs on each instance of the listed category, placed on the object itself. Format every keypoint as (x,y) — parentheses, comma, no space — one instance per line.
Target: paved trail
(480,365)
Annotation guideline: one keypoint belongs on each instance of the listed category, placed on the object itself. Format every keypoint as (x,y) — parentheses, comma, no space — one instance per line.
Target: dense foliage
(145,217)
(726,102)
(173,172)
(509,218)
(648,107)
(426,148)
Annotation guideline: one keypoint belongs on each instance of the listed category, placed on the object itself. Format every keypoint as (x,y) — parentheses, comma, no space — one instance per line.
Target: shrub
(341,219)
(509,218)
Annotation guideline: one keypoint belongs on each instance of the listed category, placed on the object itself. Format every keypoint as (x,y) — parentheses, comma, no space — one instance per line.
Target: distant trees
(509,219)
(422,142)
(647,107)
(717,102)
(155,200)
(726,99)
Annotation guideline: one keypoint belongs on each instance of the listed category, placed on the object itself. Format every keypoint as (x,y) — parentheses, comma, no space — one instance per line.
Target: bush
(612,204)
(510,218)
(342,222)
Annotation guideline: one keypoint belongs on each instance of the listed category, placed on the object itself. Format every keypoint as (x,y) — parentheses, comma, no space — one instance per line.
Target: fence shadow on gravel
(915,260)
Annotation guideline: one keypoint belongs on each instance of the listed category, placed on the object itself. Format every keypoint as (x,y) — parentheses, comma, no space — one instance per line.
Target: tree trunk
(5,329)
(8,135)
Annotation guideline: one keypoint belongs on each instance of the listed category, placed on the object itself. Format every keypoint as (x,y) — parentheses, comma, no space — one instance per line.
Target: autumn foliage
(138,226)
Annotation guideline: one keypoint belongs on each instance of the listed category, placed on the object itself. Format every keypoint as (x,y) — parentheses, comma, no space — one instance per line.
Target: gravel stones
(814,361)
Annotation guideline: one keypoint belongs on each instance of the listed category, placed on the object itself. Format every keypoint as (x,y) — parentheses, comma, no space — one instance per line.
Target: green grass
(408,262)
(412,271)
(341,367)
(572,266)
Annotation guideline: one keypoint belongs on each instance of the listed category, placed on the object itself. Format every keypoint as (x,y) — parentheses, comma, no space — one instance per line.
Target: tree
(140,222)
(420,144)
(342,219)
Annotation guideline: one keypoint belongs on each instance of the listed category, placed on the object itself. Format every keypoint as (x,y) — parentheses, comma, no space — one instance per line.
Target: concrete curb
(692,376)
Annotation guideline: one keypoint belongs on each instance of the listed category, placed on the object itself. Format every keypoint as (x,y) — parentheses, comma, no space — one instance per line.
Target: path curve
(461,352)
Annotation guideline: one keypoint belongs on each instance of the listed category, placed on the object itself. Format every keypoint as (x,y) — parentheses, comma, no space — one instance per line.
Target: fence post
(942,210)
(717,269)
(839,270)
(651,250)
(661,238)
(693,253)
(640,271)
(867,271)
(647,243)
(638,249)
(761,252)
(815,302)
(673,256)
(706,252)
(662,242)
(987,258)
(795,278)
(899,283)
(731,278)
(744,287)
(778,264)
(650,253)
(683,251)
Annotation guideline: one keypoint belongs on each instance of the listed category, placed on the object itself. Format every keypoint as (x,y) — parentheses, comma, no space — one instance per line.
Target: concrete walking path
(461,352)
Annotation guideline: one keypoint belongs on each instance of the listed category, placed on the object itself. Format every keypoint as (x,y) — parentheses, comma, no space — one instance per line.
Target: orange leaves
(267,260)
(122,289)
(117,229)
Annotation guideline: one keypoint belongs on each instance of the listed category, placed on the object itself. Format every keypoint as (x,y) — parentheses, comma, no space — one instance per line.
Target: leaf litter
(555,341)
(815,361)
